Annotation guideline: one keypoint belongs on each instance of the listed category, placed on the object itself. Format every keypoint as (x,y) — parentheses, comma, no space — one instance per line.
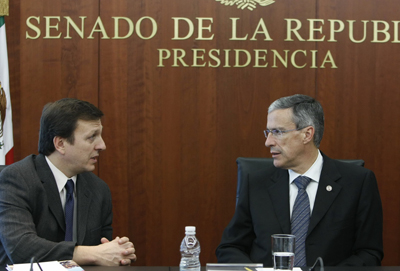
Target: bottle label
(190,241)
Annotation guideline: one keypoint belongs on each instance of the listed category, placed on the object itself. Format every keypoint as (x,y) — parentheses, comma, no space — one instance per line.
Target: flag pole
(6,138)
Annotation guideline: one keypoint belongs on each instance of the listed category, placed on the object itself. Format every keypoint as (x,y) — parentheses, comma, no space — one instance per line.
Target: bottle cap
(190,230)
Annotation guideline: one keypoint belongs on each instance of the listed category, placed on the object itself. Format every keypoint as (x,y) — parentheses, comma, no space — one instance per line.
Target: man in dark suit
(344,221)
(33,195)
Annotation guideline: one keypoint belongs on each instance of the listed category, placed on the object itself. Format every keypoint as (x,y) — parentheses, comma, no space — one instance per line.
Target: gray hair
(306,112)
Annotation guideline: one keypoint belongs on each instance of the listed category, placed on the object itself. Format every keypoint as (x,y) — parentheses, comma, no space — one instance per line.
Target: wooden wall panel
(185,127)
(51,69)
(13,25)
(361,95)
(113,86)
(173,133)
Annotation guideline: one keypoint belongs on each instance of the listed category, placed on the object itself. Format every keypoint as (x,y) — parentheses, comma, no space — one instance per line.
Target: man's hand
(119,251)
(129,253)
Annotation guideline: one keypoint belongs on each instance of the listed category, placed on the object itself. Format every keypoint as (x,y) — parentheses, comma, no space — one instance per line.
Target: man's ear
(59,144)
(308,134)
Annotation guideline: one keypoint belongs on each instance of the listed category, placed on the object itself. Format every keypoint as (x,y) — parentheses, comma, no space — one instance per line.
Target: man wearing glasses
(333,208)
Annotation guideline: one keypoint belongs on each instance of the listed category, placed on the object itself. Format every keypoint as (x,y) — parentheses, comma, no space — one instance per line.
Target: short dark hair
(306,112)
(60,118)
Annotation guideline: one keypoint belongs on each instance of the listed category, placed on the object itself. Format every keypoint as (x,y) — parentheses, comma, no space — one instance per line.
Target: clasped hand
(119,251)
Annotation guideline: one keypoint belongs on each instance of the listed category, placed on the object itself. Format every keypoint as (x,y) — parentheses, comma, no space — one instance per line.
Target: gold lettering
(201,28)
(180,58)
(329,58)
(243,58)
(277,55)
(102,30)
(383,31)
(264,31)
(351,31)
(314,59)
(334,30)
(215,58)
(161,56)
(294,30)
(33,27)
(396,32)
(196,57)
(234,30)
(237,58)
(116,28)
(293,58)
(138,28)
(257,57)
(313,29)
(80,31)
(176,28)
(48,27)
(227,58)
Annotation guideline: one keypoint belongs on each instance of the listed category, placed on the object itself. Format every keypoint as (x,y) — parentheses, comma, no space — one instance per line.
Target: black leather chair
(248,164)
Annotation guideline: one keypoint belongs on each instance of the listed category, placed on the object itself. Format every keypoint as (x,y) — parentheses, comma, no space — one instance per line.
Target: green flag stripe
(1,21)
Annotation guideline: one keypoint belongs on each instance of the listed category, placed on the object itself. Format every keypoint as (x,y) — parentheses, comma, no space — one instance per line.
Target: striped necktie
(69,210)
(301,220)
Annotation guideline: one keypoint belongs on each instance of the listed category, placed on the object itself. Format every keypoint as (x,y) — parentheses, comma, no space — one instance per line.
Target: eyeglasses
(278,133)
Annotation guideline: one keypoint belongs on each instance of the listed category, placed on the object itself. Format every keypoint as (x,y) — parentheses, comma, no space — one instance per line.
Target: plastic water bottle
(190,251)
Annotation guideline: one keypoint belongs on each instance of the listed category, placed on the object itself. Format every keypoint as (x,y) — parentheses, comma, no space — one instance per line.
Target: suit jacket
(32,220)
(345,225)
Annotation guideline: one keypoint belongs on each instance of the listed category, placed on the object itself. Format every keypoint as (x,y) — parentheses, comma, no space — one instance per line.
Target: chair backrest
(249,164)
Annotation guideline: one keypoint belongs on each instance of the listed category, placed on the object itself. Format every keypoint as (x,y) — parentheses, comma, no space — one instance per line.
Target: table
(126,268)
(176,268)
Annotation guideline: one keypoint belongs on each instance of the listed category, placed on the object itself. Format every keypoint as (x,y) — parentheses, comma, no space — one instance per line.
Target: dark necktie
(69,210)
(301,220)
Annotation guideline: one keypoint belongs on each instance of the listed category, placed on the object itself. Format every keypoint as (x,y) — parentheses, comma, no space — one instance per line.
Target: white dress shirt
(61,180)
(314,173)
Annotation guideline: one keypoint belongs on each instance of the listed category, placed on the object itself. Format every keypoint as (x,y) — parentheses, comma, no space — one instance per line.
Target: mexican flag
(6,134)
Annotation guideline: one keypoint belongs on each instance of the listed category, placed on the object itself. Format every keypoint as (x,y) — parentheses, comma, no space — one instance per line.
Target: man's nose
(101,145)
(269,141)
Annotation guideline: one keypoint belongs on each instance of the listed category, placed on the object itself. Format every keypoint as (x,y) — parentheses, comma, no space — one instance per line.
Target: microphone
(32,261)
(321,263)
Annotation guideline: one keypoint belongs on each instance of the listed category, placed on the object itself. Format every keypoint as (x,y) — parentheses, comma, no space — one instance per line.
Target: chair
(248,164)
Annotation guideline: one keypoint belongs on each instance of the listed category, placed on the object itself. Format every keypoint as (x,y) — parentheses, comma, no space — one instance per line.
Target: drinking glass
(283,251)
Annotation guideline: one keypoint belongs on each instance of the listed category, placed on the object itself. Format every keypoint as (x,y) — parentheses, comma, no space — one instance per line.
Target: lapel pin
(329,188)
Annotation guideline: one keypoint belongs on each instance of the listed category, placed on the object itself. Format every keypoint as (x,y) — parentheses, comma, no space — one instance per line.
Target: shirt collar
(314,172)
(60,177)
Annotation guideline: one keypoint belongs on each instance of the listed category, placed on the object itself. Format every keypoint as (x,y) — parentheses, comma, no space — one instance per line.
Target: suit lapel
(84,198)
(279,194)
(327,192)
(50,186)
